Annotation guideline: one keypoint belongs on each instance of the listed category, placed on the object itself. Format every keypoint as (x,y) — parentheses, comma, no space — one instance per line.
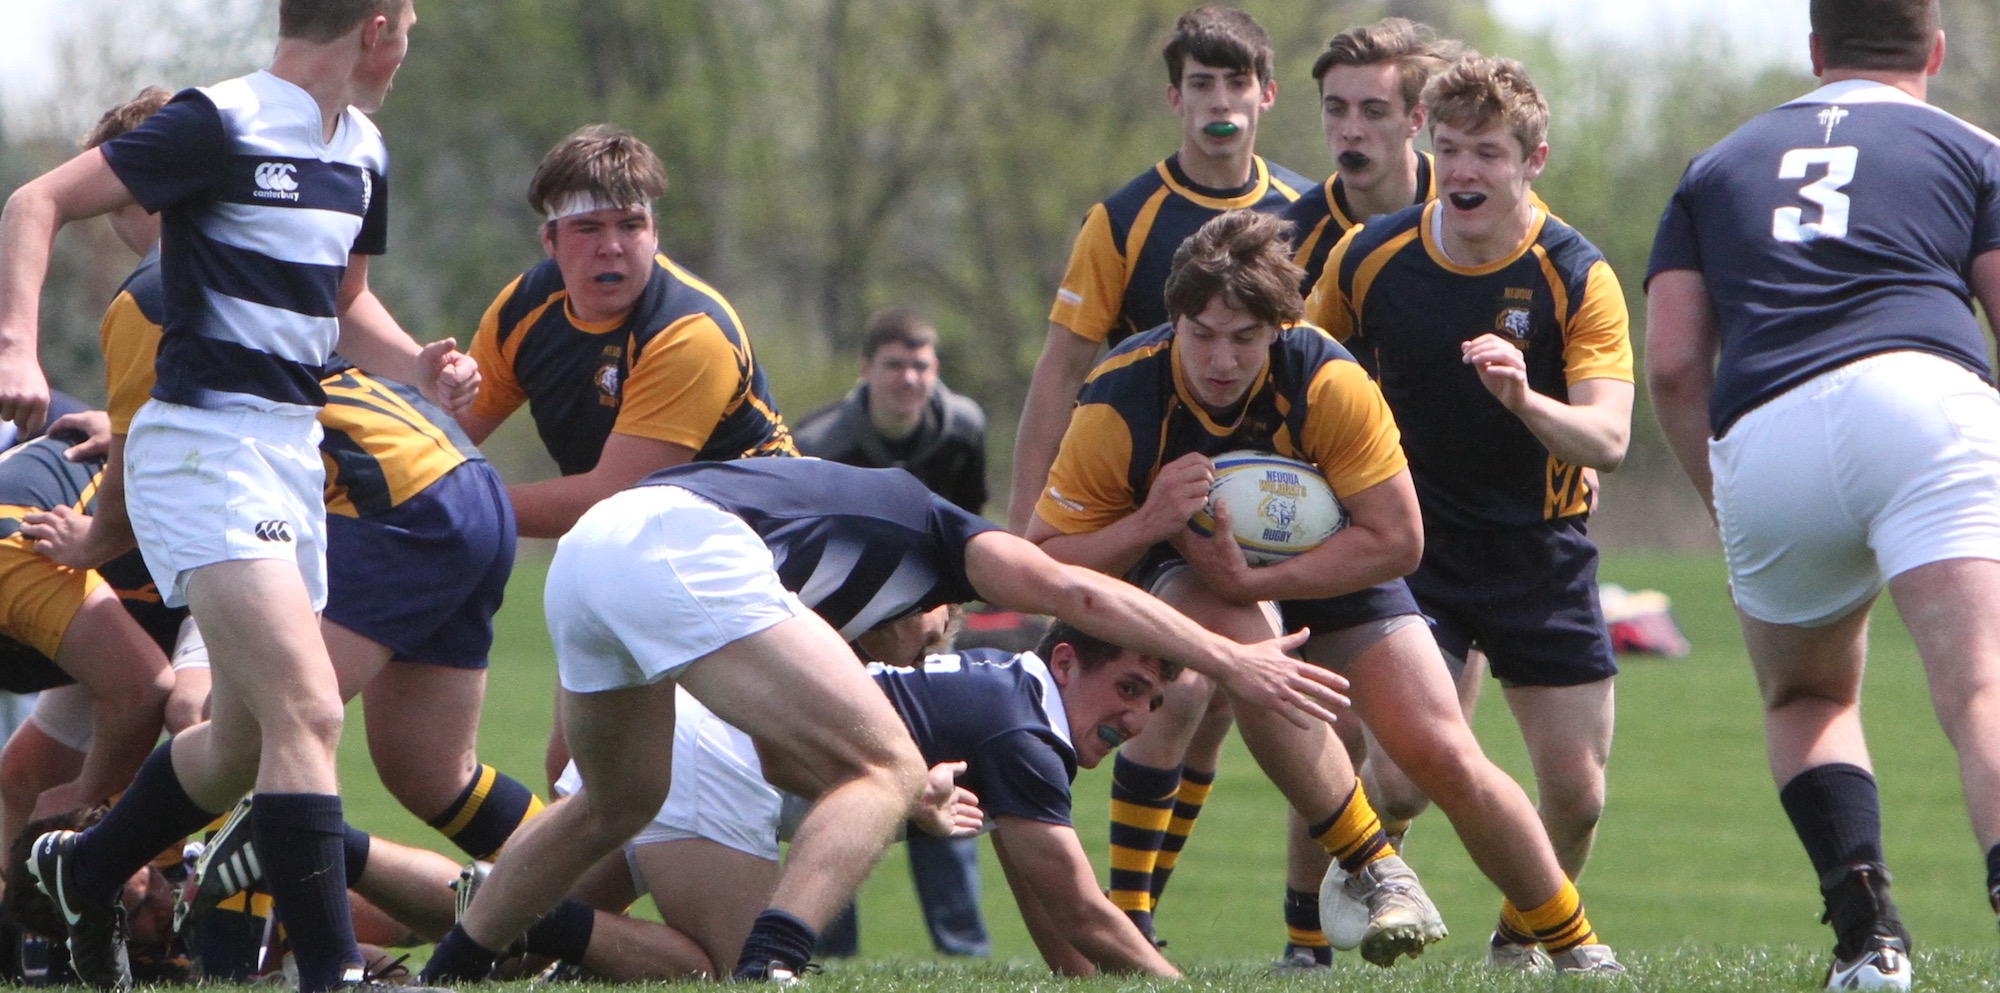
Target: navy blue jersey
(1116,283)
(861,547)
(1319,218)
(999,713)
(259,216)
(1837,226)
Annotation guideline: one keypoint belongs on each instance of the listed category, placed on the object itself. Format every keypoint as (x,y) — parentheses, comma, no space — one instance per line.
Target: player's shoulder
(1293,186)
(1127,200)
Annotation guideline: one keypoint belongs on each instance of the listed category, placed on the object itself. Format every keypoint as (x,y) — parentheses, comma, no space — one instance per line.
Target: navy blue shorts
(1527,597)
(426,577)
(1390,599)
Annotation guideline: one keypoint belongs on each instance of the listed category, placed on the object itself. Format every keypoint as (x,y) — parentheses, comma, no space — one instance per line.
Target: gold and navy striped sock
(1142,804)
(1195,784)
(487,812)
(1302,929)
(1353,835)
(1559,924)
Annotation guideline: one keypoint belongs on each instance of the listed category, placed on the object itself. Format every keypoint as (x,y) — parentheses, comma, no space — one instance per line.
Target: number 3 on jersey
(1789,223)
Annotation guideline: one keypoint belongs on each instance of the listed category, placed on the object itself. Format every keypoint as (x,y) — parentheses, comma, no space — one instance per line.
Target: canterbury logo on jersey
(273,531)
(277,181)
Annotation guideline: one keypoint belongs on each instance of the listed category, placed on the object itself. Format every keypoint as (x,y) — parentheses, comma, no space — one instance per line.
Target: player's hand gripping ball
(1278,507)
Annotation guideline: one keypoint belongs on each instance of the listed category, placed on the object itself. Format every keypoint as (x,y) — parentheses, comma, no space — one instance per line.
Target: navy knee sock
(155,812)
(301,843)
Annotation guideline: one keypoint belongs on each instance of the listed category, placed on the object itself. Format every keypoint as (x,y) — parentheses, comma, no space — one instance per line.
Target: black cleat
(96,931)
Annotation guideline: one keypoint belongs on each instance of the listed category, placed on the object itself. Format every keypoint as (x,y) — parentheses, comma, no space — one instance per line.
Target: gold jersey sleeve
(1088,488)
(1093,287)
(1349,432)
(500,393)
(688,377)
(130,342)
(1597,338)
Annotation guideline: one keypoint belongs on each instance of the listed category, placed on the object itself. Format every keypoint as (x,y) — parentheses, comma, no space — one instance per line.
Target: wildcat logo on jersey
(1515,324)
(277,181)
(609,379)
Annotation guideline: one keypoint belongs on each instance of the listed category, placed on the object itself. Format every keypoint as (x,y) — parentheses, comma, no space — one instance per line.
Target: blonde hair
(1477,90)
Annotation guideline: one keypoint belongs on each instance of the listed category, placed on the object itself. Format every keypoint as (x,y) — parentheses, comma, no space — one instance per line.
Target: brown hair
(124,117)
(1412,48)
(896,326)
(1093,653)
(600,160)
(1223,37)
(1244,257)
(1476,90)
(325,20)
(1875,34)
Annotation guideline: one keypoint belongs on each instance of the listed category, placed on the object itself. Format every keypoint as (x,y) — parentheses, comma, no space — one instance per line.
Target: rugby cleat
(1883,963)
(227,866)
(1507,956)
(96,931)
(1402,920)
(1588,960)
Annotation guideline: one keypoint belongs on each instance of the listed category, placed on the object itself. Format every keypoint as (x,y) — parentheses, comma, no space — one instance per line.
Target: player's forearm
(1112,550)
(1579,434)
(110,523)
(1682,410)
(1354,558)
(28,226)
(549,508)
(371,338)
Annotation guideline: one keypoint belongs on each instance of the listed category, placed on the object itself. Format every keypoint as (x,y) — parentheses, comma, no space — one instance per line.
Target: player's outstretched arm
(1681,346)
(1010,572)
(371,339)
(1076,928)
(83,187)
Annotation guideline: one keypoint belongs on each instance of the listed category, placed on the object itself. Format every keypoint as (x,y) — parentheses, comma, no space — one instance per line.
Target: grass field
(1697,878)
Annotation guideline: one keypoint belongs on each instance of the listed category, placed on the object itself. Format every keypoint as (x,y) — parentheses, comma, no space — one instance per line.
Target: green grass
(1697,877)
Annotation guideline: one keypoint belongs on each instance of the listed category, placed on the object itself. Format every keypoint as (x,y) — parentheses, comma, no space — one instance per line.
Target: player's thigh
(1403,689)
(796,688)
(622,743)
(263,637)
(1948,608)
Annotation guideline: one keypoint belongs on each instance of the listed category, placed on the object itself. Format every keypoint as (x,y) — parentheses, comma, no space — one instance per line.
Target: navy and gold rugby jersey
(1312,401)
(1318,219)
(1116,284)
(678,368)
(999,713)
(861,547)
(1393,296)
(382,442)
(1837,226)
(35,476)
(259,215)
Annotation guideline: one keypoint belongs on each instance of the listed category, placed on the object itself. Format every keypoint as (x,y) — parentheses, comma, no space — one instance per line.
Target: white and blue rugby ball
(1278,507)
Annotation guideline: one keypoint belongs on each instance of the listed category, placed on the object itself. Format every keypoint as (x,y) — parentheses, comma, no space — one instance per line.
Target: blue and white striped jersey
(259,215)
(859,546)
(1834,227)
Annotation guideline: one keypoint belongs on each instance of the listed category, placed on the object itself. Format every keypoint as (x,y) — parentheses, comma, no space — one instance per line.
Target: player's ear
(1062,663)
(549,239)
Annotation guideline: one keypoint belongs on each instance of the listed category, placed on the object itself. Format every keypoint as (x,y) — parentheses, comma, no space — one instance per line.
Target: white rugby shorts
(718,792)
(1854,477)
(65,714)
(651,579)
(208,486)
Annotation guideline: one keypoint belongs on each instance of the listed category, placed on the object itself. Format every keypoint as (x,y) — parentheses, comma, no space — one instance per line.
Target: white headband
(583,203)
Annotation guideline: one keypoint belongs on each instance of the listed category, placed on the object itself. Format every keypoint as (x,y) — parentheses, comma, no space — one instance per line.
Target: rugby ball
(1278,507)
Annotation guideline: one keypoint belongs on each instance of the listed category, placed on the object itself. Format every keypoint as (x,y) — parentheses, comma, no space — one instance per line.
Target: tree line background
(830,157)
